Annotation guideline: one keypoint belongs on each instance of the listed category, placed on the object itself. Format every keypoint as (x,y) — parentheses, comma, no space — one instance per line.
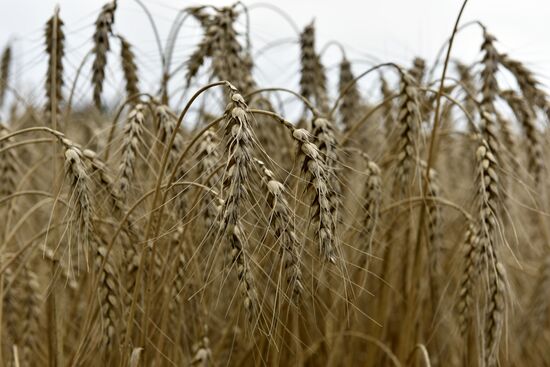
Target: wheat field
(409,228)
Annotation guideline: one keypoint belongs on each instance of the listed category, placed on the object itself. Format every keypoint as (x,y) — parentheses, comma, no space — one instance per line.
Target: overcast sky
(387,30)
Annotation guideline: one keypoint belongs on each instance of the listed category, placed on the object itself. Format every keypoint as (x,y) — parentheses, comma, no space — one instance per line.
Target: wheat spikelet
(238,140)
(5,64)
(240,261)
(220,42)
(524,115)
(508,135)
(178,282)
(167,124)
(489,208)
(434,230)
(202,356)
(99,171)
(132,134)
(388,124)
(208,158)
(55,48)
(472,260)
(129,68)
(65,272)
(109,295)
(488,195)
(204,48)
(489,84)
(373,198)
(408,122)
(103,30)
(495,312)
(81,197)
(317,176)
(283,226)
(467,82)
(227,54)
(31,315)
(202,51)
(312,77)
(529,85)
(418,70)
(8,166)
(323,133)
(490,132)
(351,99)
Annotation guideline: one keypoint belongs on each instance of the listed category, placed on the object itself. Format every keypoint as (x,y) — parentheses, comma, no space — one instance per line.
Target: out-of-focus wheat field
(217,197)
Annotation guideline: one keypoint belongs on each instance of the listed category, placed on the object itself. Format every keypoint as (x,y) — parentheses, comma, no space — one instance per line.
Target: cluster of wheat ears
(406,230)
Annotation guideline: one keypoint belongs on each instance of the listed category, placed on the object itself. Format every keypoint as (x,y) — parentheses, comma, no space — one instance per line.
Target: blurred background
(370,31)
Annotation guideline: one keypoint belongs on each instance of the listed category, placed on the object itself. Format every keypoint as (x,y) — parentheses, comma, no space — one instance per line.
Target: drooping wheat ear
(129,68)
(68,278)
(495,312)
(81,196)
(283,226)
(203,50)
(489,84)
(529,85)
(525,117)
(108,292)
(323,133)
(5,64)
(238,141)
(8,166)
(408,123)
(31,308)
(208,158)
(351,100)
(100,172)
(103,30)
(240,260)
(312,77)
(467,82)
(166,124)
(373,198)
(317,176)
(132,135)
(469,278)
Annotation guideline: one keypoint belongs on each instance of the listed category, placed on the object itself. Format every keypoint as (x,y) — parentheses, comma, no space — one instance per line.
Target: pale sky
(384,30)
